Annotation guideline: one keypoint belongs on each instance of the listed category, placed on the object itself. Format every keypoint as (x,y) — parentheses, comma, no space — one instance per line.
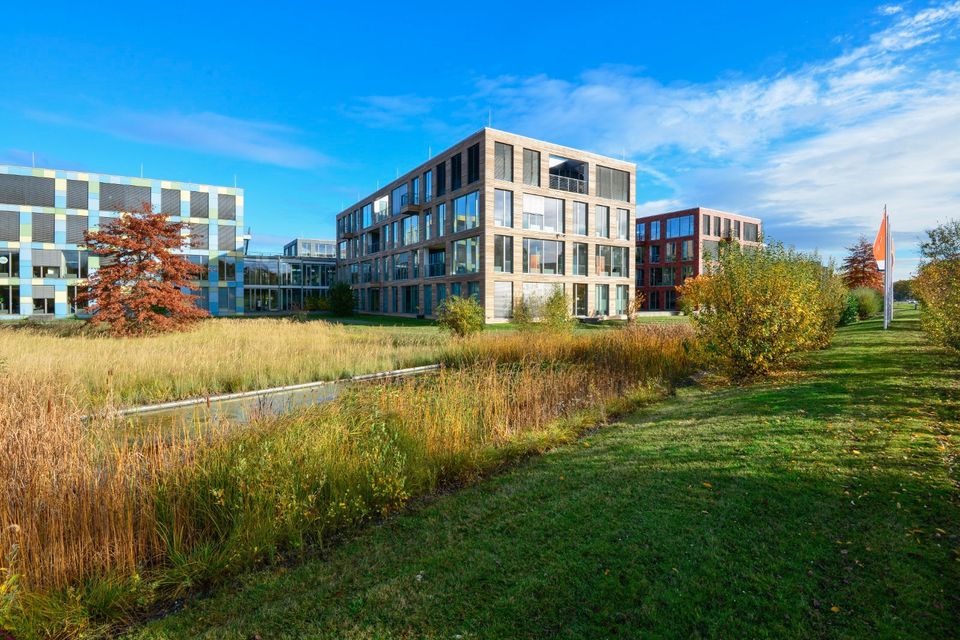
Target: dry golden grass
(93,528)
(219,356)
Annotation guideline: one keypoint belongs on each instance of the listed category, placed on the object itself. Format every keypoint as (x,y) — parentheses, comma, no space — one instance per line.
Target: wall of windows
(503,254)
(542,256)
(466,212)
(542,214)
(466,255)
(503,208)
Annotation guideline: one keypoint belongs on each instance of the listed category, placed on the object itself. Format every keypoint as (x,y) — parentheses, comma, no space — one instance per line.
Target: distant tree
(903,290)
(937,284)
(860,267)
(340,299)
(138,288)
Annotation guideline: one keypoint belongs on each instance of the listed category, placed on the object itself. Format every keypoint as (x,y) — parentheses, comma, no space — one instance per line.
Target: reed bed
(219,356)
(94,529)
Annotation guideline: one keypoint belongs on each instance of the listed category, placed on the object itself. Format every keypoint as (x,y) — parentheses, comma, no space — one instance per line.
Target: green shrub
(523,314)
(869,302)
(754,307)
(460,316)
(340,299)
(850,311)
(555,312)
(938,284)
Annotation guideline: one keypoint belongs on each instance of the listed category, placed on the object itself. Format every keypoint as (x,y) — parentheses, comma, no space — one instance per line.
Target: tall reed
(95,526)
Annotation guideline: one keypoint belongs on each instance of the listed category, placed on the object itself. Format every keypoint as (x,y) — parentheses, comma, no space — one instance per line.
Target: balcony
(436,270)
(563,183)
(373,247)
(409,204)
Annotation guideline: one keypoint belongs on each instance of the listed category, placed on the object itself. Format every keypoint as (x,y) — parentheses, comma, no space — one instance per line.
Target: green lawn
(817,505)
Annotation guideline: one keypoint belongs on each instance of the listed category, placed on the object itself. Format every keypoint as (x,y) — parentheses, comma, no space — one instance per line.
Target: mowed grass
(218,356)
(820,504)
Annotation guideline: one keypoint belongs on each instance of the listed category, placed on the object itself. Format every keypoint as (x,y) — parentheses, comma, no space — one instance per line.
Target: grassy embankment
(819,504)
(95,530)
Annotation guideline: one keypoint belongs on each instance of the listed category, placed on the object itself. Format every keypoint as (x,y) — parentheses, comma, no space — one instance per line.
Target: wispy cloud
(390,111)
(204,132)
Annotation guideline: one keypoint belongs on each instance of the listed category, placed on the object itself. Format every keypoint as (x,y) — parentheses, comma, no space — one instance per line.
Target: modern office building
(500,217)
(310,248)
(278,284)
(672,247)
(45,212)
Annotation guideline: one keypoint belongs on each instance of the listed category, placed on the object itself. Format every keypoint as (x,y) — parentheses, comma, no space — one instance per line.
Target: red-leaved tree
(137,289)
(860,267)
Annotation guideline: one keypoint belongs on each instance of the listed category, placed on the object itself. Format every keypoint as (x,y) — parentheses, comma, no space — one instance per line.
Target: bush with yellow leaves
(753,307)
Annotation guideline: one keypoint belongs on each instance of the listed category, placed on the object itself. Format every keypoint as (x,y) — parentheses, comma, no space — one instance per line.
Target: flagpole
(887,271)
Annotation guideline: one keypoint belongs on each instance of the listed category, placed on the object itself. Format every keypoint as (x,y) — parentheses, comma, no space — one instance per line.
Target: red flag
(880,244)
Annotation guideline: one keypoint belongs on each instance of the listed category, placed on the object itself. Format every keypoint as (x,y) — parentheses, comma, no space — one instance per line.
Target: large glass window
(367,215)
(466,255)
(579,258)
(502,300)
(503,254)
(686,250)
(410,230)
(542,256)
(456,172)
(398,198)
(613,184)
(428,231)
(654,253)
(580,218)
(654,230)
(705,224)
(401,266)
(751,232)
(531,167)
(441,178)
(641,231)
(580,300)
(503,161)
(9,263)
(441,219)
(76,264)
(623,224)
(603,299)
(670,252)
(466,212)
(602,216)
(542,214)
(680,226)
(436,263)
(623,298)
(611,261)
(473,163)
(716,225)
(503,208)
(428,186)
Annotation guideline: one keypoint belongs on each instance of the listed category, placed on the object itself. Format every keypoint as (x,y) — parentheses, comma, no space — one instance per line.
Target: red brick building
(671,248)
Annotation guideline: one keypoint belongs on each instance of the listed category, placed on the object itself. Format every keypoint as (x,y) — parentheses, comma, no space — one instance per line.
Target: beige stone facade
(391,243)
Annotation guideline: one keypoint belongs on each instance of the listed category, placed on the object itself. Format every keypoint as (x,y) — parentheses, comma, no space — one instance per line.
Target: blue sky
(810,116)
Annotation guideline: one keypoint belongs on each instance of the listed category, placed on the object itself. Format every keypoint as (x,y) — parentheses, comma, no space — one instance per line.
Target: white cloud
(206,132)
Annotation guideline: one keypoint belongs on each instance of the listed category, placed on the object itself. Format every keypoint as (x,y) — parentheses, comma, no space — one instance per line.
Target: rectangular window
(542,256)
(473,163)
(203,262)
(441,293)
(456,289)
(10,226)
(736,229)
(43,227)
(441,219)
(654,300)
(602,215)
(503,161)
(415,191)
(226,238)
(47,263)
(9,263)
(671,299)
(456,172)
(716,225)
(227,268)
(579,258)
(226,207)
(751,232)
(726,228)
(623,297)
(670,252)
(503,300)
(466,212)
(580,218)
(531,167)
(28,190)
(542,214)
(603,299)
(686,250)
(428,231)
(613,184)
(76,264)
(705,224)
(503,254)
(441,178)
(503,208)
(466,255)
(654,253)
(679,227)
(473,290)
(686,271)
(428,186)
(199,204)
(654,230)
(567,175)
(76,228)
(398,198)
(436,263)
(427,300)
(78,194)
(623,224)
(641,231)
(580,300)
(169,202)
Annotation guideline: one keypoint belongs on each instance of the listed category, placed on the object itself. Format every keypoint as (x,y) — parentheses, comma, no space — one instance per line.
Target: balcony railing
(373,247)
(409,203)
(564,183)
(436,269)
